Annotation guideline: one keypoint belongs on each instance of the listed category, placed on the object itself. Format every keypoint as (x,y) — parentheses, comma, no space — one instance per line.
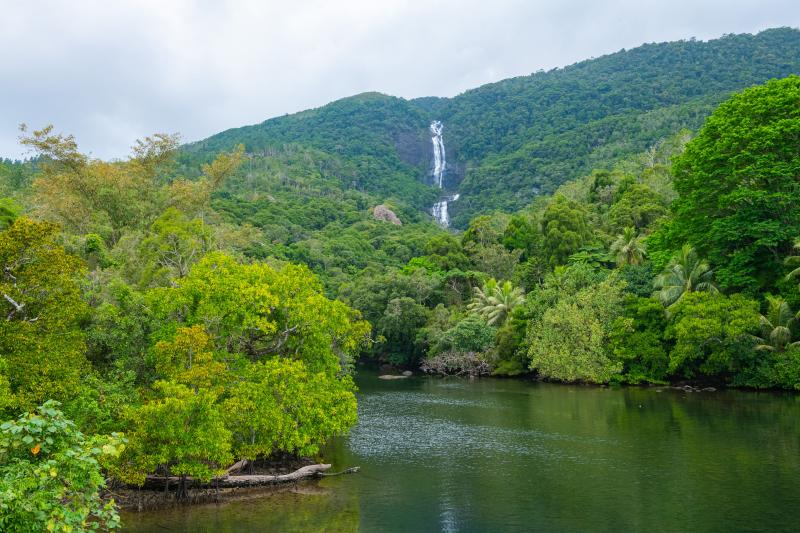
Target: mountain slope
(511,140)
(537,131)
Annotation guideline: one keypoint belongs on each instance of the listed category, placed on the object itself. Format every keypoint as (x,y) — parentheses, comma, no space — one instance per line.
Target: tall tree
(738,185)
(565,229)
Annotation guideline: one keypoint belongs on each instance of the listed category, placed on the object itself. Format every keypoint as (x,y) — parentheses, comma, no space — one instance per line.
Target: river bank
(254,479)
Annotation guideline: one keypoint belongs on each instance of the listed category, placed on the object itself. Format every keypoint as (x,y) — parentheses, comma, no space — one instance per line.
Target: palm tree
(793,260)
(776,333)
(629,248)
(481,295)
(495,302)
(685,273)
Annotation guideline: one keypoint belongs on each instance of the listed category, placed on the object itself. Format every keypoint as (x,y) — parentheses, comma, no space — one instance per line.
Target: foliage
(40,337)
(638,207)
(495,302)
(180,431)
(50,475)
(470,334)
(565,230)
(570,340)
(712,334)
(629,248)
(398,327)
(262,312)
(738,186)
(776,326)
(637,340)
(280,406)
(684,274)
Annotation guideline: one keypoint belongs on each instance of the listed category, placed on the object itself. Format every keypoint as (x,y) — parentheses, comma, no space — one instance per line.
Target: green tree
(51,477)
(495,302)
(628,248)
(565,229)
(637,339)
(173,245)
(793,260)
(712,335)
(42,307)
(471,334)
(776,326)
(399,325)
(181,432)
(684,274)
(738,186)
(570,341)
(262,312)
(522,234)
(9,211)
(279,406)
(638,207)
(188,359)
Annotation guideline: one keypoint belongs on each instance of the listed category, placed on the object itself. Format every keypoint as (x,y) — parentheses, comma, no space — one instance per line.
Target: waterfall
(439,210)
(439,156)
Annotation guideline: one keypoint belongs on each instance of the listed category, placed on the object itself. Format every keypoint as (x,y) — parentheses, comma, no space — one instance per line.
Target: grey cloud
(111,72)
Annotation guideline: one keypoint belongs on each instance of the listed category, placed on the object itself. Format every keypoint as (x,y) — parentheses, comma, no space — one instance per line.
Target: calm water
(503,455)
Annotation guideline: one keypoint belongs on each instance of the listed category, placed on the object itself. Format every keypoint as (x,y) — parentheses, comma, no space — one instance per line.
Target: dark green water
(503,455)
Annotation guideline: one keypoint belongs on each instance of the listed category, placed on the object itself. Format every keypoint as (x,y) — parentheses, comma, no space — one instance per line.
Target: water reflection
(503,455)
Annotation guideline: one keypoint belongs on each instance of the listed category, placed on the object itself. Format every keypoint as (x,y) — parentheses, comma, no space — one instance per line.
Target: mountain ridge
(509,140)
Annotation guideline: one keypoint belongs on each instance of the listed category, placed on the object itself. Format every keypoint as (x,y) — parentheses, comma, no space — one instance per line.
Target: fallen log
(233,481)
(236,467)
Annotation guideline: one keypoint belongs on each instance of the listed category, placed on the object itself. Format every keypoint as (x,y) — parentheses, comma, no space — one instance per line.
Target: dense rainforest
(510,141)
(630,219)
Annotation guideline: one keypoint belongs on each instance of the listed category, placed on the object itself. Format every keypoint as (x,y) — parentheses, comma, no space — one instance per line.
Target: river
(509,455)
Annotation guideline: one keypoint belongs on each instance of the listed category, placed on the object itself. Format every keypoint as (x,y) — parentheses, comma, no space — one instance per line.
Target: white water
(439,156)
(439,210)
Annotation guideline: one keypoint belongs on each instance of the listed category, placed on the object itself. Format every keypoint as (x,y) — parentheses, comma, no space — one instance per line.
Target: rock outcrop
(381,212)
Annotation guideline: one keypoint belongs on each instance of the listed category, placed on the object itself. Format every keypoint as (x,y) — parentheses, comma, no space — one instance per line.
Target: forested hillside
(211,301)
(510,140)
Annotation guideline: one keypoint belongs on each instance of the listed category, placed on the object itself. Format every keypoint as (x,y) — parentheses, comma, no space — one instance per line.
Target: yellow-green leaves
(281,406)
(188,359)
(260,312)
(181,430)
(40,309)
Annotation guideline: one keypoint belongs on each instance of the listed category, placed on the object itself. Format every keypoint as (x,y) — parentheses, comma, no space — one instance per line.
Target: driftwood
(236,467)
(228,481)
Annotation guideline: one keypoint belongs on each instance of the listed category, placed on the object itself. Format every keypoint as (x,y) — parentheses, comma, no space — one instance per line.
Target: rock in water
(381,212)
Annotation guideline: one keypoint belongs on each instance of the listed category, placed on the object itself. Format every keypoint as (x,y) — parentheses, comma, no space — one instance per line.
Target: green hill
(511,140)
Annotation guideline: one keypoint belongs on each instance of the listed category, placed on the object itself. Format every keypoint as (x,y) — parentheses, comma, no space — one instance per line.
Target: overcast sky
(114,71)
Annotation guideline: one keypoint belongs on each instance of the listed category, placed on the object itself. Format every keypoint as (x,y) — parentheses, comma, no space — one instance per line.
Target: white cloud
(110,72)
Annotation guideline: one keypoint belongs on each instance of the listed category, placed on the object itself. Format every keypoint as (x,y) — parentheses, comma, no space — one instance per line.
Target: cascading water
(439,210)
(439,156)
